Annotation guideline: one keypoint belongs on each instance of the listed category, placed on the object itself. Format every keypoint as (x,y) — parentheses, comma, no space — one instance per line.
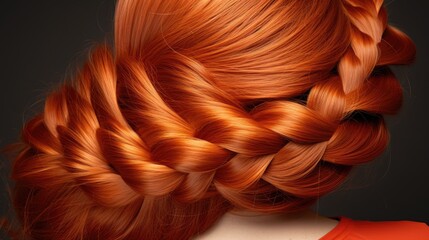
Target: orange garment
(349,229)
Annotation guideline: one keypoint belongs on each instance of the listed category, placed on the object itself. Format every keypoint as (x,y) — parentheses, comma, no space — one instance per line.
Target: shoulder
(393,230)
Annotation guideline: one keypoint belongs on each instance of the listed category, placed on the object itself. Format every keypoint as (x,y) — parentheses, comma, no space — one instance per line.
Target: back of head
(204,106)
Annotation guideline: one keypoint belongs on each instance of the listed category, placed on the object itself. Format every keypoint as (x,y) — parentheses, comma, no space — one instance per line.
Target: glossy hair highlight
(205,106)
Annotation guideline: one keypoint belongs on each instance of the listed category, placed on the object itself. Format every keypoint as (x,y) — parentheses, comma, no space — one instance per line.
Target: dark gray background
(42,41)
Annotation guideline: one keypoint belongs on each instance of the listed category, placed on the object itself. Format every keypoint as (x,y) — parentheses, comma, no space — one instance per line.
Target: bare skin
(239,225)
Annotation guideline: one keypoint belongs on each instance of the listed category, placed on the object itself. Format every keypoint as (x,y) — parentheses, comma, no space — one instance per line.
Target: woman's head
(202,106)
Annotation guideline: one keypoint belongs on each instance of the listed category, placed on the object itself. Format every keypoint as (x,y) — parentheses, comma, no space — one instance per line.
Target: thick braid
(122,160)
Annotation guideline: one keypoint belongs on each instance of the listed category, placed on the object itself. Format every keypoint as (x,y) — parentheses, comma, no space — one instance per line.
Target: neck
(249,216)
(239,224)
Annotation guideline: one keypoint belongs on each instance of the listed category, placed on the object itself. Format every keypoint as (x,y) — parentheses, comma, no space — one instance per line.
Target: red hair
(204,106)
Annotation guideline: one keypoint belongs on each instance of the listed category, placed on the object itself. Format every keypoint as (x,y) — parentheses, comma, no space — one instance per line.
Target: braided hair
(202,106)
